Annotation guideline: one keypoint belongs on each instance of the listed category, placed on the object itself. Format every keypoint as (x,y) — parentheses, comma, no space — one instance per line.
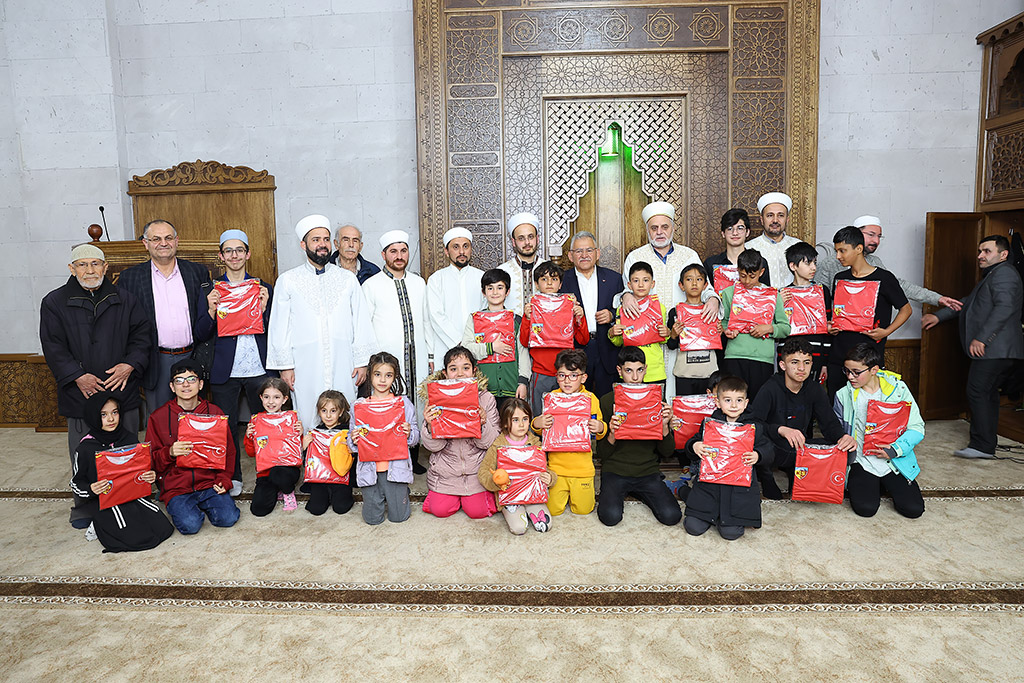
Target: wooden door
(950,267)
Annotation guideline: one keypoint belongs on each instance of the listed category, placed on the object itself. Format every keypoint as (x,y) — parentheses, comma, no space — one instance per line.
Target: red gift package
(820,474)
(725,443)
(382,420)
(751,307)
(724,278)
(550,321)
(319,469)
(489,327)
(239,309)
(691,410)
(697,335)
(208,435)
(853,305)
(459,401)
(123,467)
(886,422)
(641,404)
(806,310)
(643,329)
(277,442)
(571,429)
(524,466)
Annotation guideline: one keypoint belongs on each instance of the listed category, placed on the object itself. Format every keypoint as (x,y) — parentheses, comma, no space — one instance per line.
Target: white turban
(87,250)
(392,236)
(775,198)
(867,220)
(522,218)
(303,227)
(456,232)
(659,209)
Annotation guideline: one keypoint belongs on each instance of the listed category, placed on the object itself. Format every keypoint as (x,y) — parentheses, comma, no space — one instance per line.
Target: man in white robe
(320,335)
(774,208)
(524,229)
(667,259)
(453,293)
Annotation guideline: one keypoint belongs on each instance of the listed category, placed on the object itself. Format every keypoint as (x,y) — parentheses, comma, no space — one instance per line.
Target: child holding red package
(333,411)
(641,282)
(692,369)
(454,463)
(277,483)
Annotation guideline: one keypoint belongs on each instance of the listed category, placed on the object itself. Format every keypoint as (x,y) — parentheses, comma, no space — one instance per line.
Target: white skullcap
(775,198)
(87,250)
(456,232)
(659,209)
(392,236)
(522,218)
(867,220)
(303,227)
(235,235)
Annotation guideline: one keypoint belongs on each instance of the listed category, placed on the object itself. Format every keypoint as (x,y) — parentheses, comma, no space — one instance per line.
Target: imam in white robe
(515,300)
(775,254)
(453,295)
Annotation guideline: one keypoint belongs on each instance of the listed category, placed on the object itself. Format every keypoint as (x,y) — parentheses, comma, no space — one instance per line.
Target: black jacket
(776,406)
(90,332)
(609,283)
(992,313)
(205,328)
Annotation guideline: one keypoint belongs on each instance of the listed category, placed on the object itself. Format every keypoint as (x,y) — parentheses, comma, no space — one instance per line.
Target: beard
(320,256)
(90,284)
(774,229)
(661,242)
(525,252)
(461,262)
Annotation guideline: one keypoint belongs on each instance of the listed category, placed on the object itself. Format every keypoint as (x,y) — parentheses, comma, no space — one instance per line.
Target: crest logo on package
(800,472)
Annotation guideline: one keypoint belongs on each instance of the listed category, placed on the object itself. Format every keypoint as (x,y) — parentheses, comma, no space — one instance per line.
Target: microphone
(103,216)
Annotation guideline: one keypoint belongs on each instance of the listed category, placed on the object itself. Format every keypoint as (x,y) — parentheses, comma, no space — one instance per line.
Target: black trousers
(865,492)
(336,496)
(278,480)
(651,491)
(225,396)
(599,380)
(689,386)
(983,380)
(753,372)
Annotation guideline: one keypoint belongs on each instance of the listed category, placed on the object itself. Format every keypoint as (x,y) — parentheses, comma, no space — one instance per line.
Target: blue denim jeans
(188,510)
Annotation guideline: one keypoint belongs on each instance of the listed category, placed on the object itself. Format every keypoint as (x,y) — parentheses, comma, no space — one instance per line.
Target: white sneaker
(236,488)
(90,533)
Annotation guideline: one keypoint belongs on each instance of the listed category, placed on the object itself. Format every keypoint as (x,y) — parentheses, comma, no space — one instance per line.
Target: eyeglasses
(235,251)
(854,373)
(571,376)
(872,234)
(737,228)
(191,379)
(584,252)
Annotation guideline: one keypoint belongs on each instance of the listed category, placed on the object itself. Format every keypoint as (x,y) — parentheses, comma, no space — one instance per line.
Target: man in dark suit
(990,331)
(171,291)
(595,288)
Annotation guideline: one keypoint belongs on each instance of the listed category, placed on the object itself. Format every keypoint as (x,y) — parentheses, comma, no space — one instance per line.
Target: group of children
(463,472)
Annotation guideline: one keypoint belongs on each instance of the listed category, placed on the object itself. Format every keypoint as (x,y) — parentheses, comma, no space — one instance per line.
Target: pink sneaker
(290,504)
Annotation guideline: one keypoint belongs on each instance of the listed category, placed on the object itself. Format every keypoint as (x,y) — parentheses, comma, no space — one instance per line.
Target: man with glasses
(735,231)
(524,229)
(349,245)
(172,292)
(595,288)
(95,339)
(239,362)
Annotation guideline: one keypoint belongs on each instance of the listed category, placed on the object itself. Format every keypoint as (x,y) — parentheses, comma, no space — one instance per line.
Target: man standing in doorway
(524,229)
(453,293)
(349,244)
(773,242)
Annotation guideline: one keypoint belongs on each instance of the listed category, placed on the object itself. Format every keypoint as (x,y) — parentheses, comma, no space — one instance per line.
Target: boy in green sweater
(631,466)
(751,355)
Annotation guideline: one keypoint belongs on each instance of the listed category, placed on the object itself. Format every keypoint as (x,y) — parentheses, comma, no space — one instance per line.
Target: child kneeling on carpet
(451,477)
(893,467)
(514,417)
(385,484)
(277,483)
(333,410)
(631,466)
(727,506)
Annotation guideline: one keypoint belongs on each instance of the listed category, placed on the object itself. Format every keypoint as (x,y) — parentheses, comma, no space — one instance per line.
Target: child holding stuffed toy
(333,410)
(277,483)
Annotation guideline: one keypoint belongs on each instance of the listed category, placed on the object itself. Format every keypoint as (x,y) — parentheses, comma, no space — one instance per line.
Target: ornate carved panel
(1001,155)
(1004,163)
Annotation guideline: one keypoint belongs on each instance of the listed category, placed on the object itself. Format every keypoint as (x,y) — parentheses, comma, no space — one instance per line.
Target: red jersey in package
(459,401)
(853,305)
(697,335)
(725,277)
(123,468)
(571,429)
(641,404)
(384,438)
(277,442)
(806,310)
(724,444)
(208,435)
(752,307)
(550,321)
(820,474)
(885,423)
(491,326)
(239,309)
(643,329)
(319,469)
(525,466)
(691,410)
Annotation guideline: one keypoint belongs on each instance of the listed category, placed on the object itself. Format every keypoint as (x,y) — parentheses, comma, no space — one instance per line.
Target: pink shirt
(173,327)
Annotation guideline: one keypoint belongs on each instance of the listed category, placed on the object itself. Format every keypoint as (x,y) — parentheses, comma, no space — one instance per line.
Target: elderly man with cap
(871,228)
(453,293)
(320,336)
(348,243)
(239,362)
(172,291)
(524,229)
(95,338)
(773,242)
